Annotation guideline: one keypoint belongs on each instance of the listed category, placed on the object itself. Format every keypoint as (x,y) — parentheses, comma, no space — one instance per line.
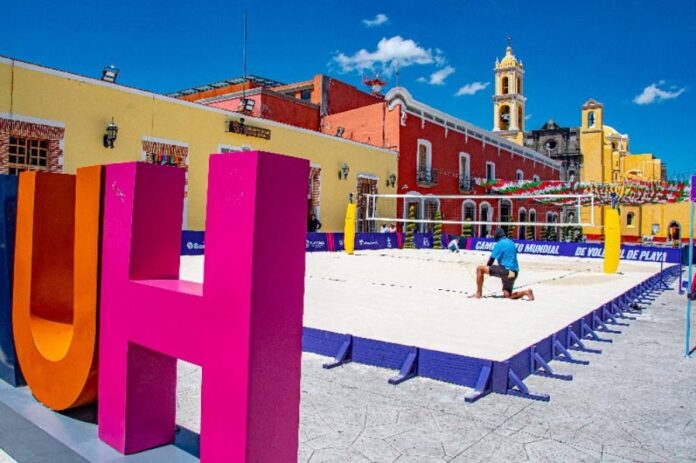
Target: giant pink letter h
(243,326)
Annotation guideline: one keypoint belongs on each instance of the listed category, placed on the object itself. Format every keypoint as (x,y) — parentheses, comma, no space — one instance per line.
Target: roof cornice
(401,96)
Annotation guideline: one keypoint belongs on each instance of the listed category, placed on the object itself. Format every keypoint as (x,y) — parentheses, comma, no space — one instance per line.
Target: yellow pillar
(349,229)
(612,240)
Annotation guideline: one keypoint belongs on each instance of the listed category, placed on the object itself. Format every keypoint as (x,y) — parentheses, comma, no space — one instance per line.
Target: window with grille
(27,154)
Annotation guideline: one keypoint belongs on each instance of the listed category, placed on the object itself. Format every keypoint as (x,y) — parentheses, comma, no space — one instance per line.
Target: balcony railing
(426,177)
(466,183)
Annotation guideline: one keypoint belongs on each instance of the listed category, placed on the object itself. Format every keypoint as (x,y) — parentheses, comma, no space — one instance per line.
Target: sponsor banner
(192,243)
(317,242)
(375,241)
(338,241)
(423,240)
(585,250)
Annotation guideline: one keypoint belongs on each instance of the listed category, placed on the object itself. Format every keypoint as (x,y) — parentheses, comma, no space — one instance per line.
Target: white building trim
(401,96)
(168,99)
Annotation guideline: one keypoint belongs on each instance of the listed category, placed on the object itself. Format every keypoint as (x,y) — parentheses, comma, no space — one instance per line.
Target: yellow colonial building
(607,159)
(57,121)
(593,153)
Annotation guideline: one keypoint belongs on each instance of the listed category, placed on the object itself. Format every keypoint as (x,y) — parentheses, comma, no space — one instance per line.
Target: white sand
(419,298)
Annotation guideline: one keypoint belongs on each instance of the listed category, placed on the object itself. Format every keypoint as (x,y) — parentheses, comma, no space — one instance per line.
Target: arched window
(468,215)
(571,175)
(485,215)
(531,234)
(535,178)
(520,118)
(504,118)
(505,86)
(424,161)
(674,231)
(519,85)
(630,217)
(464,171)
(590,119)
(522,229)
(520,175)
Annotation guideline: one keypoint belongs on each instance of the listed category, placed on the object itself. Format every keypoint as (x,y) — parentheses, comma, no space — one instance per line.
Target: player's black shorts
(504,274)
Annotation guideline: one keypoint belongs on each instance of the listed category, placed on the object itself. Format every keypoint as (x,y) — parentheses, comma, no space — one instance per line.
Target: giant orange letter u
(56,285)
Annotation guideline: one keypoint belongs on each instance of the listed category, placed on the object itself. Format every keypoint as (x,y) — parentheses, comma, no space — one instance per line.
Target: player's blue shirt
(505,252)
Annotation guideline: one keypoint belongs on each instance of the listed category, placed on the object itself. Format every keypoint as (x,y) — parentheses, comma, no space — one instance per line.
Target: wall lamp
(391,180)
(247,105)
(109,73)
(111,134)
(343,172)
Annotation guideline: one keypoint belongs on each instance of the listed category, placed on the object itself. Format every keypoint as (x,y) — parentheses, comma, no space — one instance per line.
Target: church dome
(509,60)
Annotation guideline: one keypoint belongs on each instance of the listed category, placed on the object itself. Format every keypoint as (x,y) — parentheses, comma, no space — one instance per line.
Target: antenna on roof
(244,57)
(397,73)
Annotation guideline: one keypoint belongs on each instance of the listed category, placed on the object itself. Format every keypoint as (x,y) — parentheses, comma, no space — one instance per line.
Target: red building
(442,155)
(438,153)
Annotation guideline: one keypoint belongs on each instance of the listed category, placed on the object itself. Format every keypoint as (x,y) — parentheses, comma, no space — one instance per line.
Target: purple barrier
(318,242)
(586,250)
(192,243)
(375,241)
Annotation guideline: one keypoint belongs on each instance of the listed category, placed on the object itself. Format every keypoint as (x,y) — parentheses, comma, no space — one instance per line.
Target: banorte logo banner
(585,250)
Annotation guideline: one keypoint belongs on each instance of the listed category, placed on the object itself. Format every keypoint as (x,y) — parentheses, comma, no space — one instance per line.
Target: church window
(506,86)
(519,85)
(630,217)
(505,118)
(590,119)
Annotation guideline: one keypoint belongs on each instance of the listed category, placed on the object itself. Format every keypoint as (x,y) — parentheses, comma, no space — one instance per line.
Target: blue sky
(572,51)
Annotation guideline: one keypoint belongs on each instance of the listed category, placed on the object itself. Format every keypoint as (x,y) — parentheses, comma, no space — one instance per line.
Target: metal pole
(690,277)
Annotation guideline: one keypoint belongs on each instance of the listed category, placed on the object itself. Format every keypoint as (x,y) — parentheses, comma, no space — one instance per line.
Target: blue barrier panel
(317,242)
(9,368)
(338,241)
(585,250)
(375,241)
(192,243)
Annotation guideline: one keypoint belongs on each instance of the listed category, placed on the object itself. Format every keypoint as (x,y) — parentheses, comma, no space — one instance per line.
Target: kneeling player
(507,269)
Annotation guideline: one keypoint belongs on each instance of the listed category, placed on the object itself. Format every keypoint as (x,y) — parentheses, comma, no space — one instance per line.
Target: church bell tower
(508,101)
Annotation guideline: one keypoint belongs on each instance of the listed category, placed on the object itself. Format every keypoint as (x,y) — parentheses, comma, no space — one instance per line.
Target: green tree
(437,231)
(467,228)
(529,232)
(410,228)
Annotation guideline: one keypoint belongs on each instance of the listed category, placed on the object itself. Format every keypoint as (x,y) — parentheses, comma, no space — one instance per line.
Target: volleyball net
(478,215)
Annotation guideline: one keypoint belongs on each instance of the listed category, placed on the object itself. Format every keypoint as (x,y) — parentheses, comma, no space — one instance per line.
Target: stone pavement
(634,402)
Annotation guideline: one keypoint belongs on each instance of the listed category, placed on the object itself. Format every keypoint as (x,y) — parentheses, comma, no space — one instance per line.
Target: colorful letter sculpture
(243,325)
(56,285)
(9,367)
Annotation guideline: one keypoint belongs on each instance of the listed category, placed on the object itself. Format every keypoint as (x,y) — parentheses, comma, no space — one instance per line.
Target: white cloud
(438,77)
(654,94)
(439,58)
(377,21)
(389,52)
(472,88)
(527,117)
